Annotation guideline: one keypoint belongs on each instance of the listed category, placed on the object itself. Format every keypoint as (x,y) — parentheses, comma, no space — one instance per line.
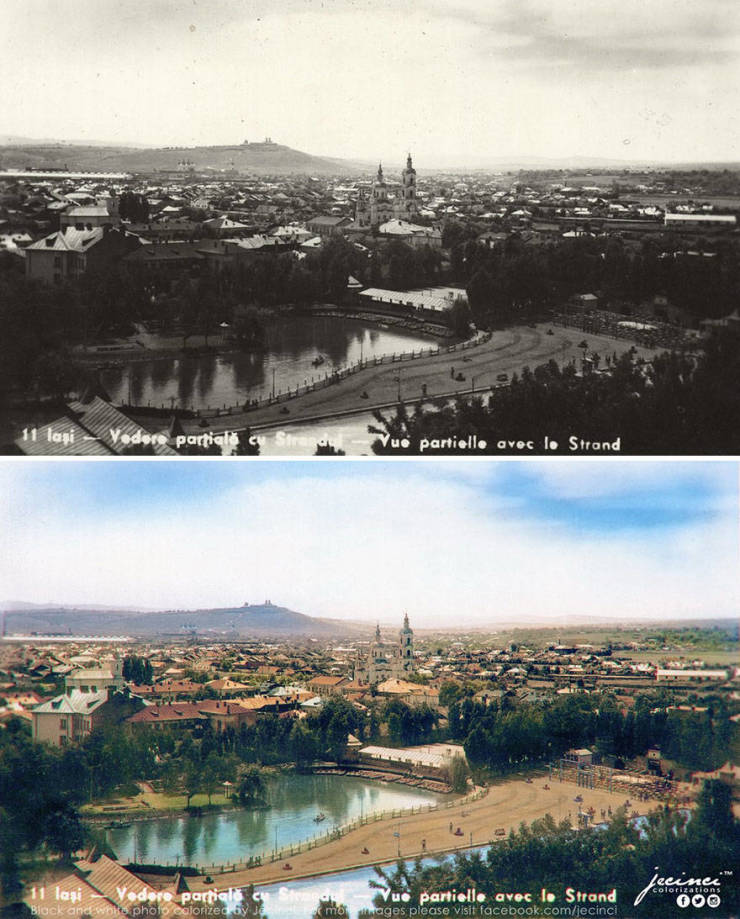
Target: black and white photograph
(363,227)
(369,459)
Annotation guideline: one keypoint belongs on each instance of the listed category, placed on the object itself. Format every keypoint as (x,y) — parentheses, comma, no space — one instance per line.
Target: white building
(387,660)
(95,680)
(68,718)
(381,206)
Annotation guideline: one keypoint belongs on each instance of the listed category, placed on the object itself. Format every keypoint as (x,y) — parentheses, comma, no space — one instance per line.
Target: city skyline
(532,542)
(622,81)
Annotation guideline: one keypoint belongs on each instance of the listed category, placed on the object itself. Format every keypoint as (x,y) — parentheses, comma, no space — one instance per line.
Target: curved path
(508,351)
(505,806)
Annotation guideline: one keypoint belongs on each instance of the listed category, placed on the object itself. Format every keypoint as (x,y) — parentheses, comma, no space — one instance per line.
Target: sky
(457,82)
(451,543)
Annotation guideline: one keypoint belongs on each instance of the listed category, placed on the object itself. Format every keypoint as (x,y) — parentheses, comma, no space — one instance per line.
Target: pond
(294,343)
(235,835)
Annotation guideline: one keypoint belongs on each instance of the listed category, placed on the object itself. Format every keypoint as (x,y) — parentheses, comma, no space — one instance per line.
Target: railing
(334,833)
(330,378)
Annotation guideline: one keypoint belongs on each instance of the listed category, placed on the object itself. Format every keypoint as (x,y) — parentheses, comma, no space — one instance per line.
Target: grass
(152,802)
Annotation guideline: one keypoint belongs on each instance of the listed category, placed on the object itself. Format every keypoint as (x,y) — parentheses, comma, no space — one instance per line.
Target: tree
(191,781)
(208,780)
(251,905)
(248,444)
(458,774)
(250,786)
(459,318)
(64,832)
(249,329)
(330,909)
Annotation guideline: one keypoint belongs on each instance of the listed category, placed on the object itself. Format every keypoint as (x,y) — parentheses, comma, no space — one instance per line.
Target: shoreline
(120,357)
(146,812)
(502,807)
(480,363)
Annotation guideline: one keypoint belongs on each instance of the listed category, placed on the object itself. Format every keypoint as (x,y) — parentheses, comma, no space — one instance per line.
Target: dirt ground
(508,352)
(505,806)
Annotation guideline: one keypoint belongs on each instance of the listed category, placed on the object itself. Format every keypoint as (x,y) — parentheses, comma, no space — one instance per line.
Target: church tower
(408,203)
(406,638)
(362,212)
(380,207)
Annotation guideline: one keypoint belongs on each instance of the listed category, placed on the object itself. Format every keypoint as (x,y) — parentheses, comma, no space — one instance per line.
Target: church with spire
(380,207)
(387,660)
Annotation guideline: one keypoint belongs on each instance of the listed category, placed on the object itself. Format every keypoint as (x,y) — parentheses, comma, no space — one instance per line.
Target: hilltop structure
(381,207)
(387,660)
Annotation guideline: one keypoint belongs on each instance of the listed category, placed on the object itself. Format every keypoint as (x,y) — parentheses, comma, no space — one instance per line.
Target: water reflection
(294,343)
(233,835)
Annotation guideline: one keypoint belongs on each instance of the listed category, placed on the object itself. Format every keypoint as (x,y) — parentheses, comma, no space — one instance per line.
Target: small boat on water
(318,360)
(319,817)
(117,825)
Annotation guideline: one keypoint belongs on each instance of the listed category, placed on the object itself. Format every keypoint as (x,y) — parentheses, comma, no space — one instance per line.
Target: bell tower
(406,638)
(408,190)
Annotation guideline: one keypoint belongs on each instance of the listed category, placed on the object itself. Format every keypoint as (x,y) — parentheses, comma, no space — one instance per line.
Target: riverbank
(146,346)
(503,806)
(448,372)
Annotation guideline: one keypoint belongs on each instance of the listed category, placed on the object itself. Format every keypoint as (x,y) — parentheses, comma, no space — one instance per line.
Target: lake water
(235,835)
(293,343)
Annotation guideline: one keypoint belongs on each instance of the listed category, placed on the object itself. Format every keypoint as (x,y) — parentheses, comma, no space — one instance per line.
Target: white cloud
(361,545)
(374,78)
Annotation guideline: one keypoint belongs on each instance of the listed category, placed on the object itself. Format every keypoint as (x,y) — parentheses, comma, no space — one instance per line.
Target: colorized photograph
(302,690)
(369,228)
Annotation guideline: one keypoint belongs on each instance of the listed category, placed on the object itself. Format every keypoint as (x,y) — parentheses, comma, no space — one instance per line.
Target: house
(85,430)
(87,217)
(69,253)
(178,714)
(114,884)
(410,693)
(68,718)
(167,259)
(585,302)
(327,685)
(96,679)
(581,757)
(691,676)
(224,226)
(412,234)
(325,225)
(226,686)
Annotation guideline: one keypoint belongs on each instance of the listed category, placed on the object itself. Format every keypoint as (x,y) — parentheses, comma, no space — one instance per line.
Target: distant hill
(259,158)
(277,159)
(261,621)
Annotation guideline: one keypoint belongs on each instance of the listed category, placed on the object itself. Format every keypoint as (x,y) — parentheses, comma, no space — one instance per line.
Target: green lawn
(148,802)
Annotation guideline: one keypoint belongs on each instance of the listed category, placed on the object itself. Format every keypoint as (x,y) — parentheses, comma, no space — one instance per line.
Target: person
(423,845)
(452,373)
(450,826)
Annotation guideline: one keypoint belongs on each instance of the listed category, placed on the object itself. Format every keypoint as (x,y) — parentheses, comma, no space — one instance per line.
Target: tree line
(675,405)
(503,735)
(556,856)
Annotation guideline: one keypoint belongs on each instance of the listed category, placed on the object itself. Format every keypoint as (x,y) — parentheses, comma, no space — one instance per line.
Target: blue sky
(540,541)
